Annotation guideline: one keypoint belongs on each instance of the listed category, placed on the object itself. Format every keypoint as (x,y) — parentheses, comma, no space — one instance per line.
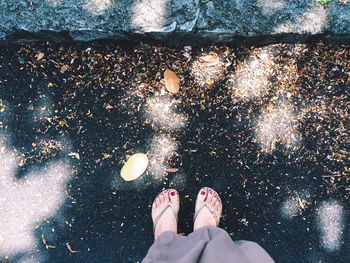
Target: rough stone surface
(212,20)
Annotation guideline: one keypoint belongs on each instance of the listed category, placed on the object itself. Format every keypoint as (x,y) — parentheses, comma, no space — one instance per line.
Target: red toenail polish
(172,193)
(202,193)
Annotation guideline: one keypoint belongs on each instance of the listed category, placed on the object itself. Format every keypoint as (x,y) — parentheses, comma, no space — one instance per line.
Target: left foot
(164,212)
(208,209)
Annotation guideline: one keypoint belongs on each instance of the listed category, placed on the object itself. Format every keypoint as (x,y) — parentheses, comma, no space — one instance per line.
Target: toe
(162,197)
(210,198)
(166,197)
(174,197)
(158,200)
(217,206)
(202,195)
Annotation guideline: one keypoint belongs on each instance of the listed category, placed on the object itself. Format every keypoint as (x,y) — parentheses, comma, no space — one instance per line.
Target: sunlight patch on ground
(270,6)
(207,75)
(252,78)
(312,21)
(98,7)
(149,14)
(162,148)
(33,259)
(160,110)
(26,203)
(294,205)
(277,124)
(330,219)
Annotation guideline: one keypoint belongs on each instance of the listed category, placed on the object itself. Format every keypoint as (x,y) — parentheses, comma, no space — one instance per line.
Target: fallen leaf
(50,85)
(172,82)
(172,170)
(73,154)
(70,248)
(301,203)
(109,107)
(106,156)
(64,68)
(62,123)
(134,167)
(209,60)
(40,56)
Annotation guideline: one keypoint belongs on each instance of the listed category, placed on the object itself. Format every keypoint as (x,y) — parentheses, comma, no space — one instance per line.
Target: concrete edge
(170,38)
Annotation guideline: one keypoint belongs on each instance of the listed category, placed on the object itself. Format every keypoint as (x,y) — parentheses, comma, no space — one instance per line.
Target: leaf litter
(221,113)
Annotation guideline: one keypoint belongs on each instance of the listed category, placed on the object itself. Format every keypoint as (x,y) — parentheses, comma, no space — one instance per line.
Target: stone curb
(175,21)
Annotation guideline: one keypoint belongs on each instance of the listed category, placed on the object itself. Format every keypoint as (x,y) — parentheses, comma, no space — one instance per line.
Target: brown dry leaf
(40,56)
(209,60)
(109,107)
(64,68)
(172,170)
(172,82)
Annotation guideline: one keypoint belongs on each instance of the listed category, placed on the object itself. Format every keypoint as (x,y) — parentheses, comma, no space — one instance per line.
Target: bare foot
(205,217)
(168,220)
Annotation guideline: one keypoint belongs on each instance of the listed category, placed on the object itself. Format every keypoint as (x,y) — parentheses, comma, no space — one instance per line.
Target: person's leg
(174,248)
(219,245)
(207,244)
(168,246)
(254,252)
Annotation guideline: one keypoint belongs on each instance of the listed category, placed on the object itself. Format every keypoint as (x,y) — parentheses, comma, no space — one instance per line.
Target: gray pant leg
(205,245)
(221,248)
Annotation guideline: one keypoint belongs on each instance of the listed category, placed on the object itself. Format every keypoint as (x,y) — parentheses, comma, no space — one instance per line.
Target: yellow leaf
(40,56)
(210,82)
(134,167)
(172,82)
(49,85)
(62,123)
(106,156)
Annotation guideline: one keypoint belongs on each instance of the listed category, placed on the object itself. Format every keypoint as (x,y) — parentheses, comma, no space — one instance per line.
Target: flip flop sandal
(217,219)
(156,220)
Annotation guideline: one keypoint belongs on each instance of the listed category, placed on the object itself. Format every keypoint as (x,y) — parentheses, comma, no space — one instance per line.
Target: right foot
(165,220)
(210,214)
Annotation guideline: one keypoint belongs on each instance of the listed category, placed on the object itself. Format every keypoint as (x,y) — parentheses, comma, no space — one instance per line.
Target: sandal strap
(156,220)
(217,220)
(214,193)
